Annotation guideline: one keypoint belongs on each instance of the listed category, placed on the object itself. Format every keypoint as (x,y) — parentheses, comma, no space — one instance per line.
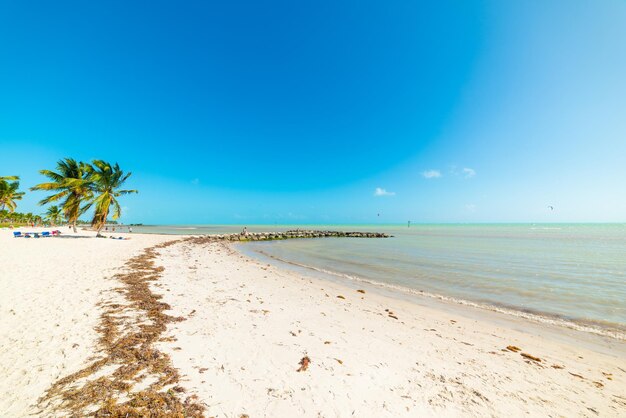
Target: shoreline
(463,363)
(247,324)
(521,276)
(610,330)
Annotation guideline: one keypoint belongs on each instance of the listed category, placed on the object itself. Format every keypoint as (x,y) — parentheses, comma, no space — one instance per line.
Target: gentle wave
(544,318)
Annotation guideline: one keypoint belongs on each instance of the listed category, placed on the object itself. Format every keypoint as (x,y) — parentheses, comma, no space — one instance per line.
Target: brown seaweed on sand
(530,357)
(304,363)
(340,297)
(361,291)
(513,348)
(127,358)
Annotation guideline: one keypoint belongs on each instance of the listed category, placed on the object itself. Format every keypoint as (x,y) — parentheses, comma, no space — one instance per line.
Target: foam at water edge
(578,326)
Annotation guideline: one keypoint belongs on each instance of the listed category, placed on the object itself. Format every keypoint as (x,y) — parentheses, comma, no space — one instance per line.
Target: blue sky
(326,111)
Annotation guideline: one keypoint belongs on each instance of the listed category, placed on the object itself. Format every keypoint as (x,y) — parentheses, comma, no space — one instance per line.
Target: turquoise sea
(574,274)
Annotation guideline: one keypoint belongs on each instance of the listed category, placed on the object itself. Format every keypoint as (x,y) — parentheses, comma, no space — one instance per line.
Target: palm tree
(71,183)
(9,193)
(29,218)
(105,181)
(54,215)
(16,217)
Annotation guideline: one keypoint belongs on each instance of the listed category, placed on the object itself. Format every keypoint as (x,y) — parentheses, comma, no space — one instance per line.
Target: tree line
(76,188)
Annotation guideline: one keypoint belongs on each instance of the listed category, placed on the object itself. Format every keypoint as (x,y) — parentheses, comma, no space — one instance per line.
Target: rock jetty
(296,233)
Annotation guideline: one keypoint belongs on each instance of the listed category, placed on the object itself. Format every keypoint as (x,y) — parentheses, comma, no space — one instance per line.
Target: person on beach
(130,229)
(245,231)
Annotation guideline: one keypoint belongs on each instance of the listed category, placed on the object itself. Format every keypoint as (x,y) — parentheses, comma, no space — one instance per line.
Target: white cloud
(470,207)
(382,192)
(431,174)
(195,181)
(469,172)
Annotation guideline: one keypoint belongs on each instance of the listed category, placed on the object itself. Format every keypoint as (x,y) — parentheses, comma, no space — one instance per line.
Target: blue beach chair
(45,234)
(17,234)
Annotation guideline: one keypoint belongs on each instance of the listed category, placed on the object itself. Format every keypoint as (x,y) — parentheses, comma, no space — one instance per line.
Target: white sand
(49,291)
(249,325)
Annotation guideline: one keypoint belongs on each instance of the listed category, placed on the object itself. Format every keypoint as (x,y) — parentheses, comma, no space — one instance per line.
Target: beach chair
(45,234)
(36,234)
(17,234)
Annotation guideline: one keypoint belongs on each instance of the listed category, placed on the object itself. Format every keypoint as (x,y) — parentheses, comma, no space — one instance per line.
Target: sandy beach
(50,306)
(318,210)
(239,337)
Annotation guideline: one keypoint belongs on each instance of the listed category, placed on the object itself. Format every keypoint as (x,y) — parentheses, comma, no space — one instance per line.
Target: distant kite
(551,207)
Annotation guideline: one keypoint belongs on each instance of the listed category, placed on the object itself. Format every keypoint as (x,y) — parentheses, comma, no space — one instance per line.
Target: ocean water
(572,274)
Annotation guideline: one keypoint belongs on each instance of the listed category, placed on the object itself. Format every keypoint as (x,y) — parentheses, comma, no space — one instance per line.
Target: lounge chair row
(44,234)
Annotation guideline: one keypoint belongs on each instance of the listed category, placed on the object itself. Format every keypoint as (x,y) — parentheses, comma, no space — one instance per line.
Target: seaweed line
(127,334)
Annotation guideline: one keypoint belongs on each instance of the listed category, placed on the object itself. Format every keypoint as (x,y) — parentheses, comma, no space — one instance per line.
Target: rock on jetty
(296,233)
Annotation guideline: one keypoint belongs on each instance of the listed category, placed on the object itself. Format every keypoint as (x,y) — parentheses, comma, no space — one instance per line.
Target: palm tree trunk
(101,224)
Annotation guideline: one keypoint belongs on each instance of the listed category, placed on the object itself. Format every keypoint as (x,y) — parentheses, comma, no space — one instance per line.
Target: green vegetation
(13,219)
(54,215)
(70,184)
(9,186)
(76,187)
(16,218)
(105,182)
